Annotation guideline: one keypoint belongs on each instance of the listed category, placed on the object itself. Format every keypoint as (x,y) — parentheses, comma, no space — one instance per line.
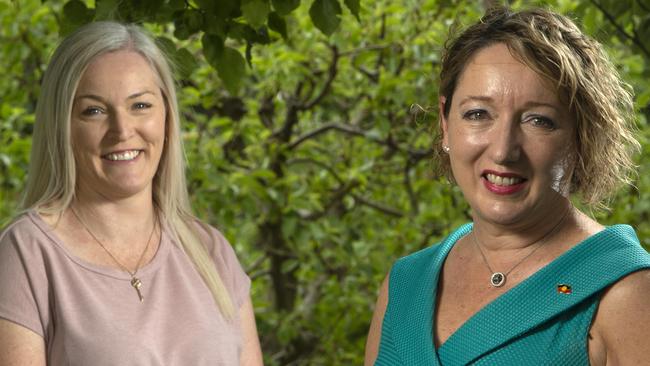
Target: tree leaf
(278,24)
(194,20)
(176,4)
(187,22)
(244,32)
(221,8)
(284,7)
(185,63)
(76,12)
(255,11)
(354,7)
(106,9)
(166,45)
(180,27)
(215,24)
(326,15)
(212,47)
(228,62)
(231,68)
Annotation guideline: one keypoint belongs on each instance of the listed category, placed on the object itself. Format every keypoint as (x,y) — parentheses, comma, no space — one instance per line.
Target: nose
(505,142)
(121,125)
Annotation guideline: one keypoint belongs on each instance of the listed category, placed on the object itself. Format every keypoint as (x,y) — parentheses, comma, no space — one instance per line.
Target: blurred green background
(308,135)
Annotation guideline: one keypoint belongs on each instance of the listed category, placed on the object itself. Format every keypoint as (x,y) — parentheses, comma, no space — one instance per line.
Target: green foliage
(244,22)
(326,15)
(314,160)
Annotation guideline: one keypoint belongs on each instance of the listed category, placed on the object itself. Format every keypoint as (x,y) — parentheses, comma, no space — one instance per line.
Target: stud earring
(446,149)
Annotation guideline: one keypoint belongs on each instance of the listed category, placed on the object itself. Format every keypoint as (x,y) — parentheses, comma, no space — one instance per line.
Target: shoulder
(216,244)
(219,248)
(414,263)
(631,292)
(22,230)
(417,262)
(622,318)
(210,236)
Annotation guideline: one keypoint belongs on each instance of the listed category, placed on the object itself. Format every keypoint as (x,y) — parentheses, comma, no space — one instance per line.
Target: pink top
(90,315)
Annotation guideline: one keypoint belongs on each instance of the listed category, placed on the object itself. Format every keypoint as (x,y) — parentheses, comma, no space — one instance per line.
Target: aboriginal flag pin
(564,289)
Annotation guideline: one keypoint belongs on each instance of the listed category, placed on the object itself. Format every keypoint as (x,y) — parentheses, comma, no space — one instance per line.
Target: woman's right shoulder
(415,263)
(23,229)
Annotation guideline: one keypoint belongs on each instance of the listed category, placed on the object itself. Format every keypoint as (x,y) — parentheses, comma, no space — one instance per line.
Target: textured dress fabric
(91,315)
(534,323)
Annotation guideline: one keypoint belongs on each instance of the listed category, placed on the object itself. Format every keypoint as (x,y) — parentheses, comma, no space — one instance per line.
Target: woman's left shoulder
(629,290)
(622,318)
(210,236)
(225,258)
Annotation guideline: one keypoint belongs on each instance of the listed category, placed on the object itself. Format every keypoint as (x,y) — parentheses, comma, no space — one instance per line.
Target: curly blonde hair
(600,101)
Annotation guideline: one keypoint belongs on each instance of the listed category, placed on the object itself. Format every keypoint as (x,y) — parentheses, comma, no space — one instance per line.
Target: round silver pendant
(497,279)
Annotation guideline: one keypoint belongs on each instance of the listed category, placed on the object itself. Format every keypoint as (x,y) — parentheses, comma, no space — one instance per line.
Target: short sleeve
(23,280)
(228,266)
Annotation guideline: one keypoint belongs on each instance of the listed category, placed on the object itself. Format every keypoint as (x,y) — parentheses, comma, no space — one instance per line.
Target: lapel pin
(564,289)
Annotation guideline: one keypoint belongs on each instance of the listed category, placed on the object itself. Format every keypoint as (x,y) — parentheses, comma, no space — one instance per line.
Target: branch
(632,37)
(328,168)
(409,187)
(259,273)
(364,201)
(355,51)
(643,6)
(349,129)
(425,242)
(378,206)
(257,263)
(266,112)
(336,197)
(328,83)
(355,131)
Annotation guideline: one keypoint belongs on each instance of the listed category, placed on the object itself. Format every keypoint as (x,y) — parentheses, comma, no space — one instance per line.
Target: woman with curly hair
(531,112)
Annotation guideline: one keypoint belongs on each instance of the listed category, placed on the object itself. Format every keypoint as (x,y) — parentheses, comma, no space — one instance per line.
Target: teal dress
(534,323)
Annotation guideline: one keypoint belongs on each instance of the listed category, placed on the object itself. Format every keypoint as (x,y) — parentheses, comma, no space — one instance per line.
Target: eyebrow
(490,100)
(475,97)
(97,97)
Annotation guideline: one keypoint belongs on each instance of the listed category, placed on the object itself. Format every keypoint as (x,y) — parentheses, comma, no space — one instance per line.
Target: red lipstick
(503,189)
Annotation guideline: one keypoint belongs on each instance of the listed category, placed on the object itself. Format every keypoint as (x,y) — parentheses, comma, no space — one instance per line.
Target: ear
(443,121)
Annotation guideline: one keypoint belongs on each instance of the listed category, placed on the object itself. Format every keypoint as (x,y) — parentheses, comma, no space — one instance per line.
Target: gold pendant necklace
(135,281)
(498,279)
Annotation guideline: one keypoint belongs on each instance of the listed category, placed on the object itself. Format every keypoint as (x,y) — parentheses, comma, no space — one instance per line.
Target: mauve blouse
(91,315)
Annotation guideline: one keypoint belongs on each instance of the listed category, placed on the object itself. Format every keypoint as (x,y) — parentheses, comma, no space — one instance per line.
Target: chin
(129,187)
(502,214)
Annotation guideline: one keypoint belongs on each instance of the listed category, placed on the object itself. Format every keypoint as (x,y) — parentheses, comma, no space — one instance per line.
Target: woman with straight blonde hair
(106,264)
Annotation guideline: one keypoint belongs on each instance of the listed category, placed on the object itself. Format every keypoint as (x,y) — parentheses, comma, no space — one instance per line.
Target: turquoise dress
(534,323)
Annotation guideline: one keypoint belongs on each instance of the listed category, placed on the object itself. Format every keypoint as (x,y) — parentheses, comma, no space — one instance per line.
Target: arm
(251,350)
(622,319)
(20,346)
(374,334)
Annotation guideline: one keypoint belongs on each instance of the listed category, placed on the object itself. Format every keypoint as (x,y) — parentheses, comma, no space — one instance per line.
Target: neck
(116,219)
(513,237)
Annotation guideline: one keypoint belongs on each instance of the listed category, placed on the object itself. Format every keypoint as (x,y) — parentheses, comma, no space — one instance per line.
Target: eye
(92,111)
(141,105)
(540,121)
(476,115)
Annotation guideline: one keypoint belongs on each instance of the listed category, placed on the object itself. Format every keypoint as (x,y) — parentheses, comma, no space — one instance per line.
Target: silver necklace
(498,279)
(135,281)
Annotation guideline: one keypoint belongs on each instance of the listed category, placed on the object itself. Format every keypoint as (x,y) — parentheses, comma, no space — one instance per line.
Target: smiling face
(511,140)
(117,126)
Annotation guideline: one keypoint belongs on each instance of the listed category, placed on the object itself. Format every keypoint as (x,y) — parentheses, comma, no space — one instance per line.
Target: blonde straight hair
(52,174)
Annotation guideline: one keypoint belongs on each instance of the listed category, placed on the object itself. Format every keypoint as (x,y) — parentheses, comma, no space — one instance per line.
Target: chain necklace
(135,281)
(498,279)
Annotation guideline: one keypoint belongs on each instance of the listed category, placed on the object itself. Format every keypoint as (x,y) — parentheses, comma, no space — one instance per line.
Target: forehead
(494,71)
(118,68)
